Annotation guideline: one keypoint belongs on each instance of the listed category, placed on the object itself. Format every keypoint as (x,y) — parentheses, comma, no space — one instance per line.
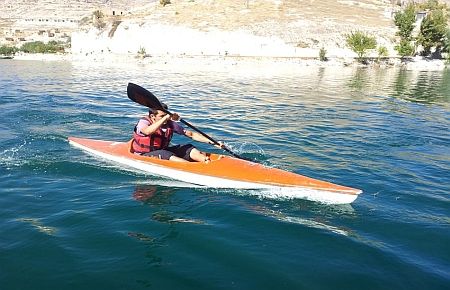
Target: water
(70,221)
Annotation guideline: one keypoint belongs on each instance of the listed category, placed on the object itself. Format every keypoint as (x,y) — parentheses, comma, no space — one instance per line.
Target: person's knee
(197,155)
(161,154)
(188,150)
(166,155)
(194,152)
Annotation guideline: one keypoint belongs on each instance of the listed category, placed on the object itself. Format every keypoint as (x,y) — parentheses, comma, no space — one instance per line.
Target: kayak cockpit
(212,157)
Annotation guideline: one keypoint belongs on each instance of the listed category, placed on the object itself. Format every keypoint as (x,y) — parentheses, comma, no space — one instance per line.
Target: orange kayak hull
(223,172)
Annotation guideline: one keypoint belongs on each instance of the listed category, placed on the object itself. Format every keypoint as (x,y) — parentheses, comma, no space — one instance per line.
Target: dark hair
(154,111)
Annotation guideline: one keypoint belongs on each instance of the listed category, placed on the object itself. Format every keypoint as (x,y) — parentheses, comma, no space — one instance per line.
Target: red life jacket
(155,141)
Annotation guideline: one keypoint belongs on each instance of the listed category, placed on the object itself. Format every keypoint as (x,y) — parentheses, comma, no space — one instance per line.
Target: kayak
(222,172)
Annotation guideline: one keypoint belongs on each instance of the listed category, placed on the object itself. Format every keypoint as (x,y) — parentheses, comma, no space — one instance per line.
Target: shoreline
(256,62)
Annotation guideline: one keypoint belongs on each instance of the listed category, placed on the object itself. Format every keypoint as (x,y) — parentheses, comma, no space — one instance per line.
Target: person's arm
(200,138)
(193,135)
(152,128)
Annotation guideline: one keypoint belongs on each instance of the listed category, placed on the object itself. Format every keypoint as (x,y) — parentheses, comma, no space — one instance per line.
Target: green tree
(433,32)
(405,22)
(446,47)
(405,48)
(360,42)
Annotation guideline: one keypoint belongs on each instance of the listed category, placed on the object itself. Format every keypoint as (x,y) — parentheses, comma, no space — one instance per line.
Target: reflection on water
(422,87)
(37,224)
(144,192)
(359,81)
(142,237)
(152,194)
(157,196)
(415,86)
(153,243)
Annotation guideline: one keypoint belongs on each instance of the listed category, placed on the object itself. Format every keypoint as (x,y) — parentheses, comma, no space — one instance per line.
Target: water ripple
(384,131)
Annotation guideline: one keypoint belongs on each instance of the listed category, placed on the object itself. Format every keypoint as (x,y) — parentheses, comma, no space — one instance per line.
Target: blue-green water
(70,221)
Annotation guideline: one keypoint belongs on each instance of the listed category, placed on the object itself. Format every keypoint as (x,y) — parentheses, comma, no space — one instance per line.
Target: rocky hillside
(291,28)
(302,24)
(291,20)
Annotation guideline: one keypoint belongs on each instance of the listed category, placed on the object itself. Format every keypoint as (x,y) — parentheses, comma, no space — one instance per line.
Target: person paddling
(153,133)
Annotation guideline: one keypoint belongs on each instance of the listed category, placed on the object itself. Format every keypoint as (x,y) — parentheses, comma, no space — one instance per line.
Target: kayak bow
(223,172)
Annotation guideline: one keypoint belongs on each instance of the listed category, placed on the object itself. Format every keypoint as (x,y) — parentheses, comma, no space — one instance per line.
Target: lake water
(70,221)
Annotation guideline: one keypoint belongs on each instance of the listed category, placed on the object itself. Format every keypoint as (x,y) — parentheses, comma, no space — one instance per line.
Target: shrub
(40,47)
(33,47)
(141,50)
(98,14)
(68,42)
(99,23)
(360,42)
(405,48)
(85,20)
(7,50)
(323,54)
(432,5)
(164,2)
(382,52)
(302,44)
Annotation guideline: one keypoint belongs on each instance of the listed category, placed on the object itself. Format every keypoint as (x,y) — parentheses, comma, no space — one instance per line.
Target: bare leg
(198,156)
(178,159)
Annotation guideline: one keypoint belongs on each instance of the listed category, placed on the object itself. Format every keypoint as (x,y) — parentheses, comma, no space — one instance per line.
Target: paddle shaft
(211,139)
(142,96)
(206,136)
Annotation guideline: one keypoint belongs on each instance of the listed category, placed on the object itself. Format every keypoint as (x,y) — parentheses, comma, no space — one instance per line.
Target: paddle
(141,96)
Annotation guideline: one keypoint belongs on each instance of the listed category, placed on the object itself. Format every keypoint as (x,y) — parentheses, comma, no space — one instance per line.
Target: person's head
(156,114)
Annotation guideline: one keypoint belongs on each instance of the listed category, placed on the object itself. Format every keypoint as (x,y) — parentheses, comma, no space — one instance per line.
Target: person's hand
(175,117)
(220,145)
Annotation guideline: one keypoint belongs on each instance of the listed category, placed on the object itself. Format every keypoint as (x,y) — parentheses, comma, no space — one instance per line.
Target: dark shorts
(182,151)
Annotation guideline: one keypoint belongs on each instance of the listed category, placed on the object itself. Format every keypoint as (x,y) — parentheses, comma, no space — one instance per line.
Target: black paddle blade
(143,97)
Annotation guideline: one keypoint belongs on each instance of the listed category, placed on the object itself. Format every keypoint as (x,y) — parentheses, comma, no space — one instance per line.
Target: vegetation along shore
(414,34)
